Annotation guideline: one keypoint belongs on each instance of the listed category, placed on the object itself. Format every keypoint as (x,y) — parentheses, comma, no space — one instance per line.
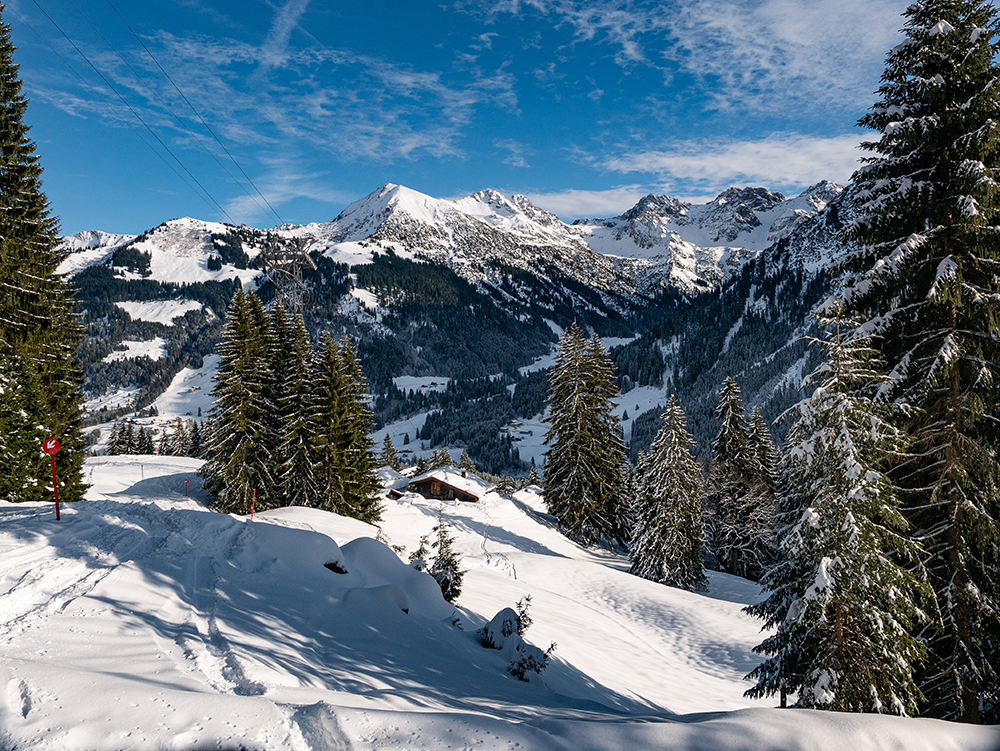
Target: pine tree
(38,331)
(296,449)
(446,567)
(114,445)
(533,477)
(330,416)
(179,441)
(280,341)
(348,482)
(361,483)
(237,459)
(925,280)
(195,444)
(21,430)
(743,504)
(842,604)
(583,478)
(389,457)
(666,538)
(144,441)
(422,465)
(418,558)
(505,486)
(465,462)
(766,456)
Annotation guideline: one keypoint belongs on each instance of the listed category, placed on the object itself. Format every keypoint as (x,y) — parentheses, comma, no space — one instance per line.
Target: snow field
(158,311)
(143,620)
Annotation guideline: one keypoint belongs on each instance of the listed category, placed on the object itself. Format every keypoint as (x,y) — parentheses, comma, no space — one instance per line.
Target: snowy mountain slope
(144,621)
(659,243)
(87,248)
(699,247)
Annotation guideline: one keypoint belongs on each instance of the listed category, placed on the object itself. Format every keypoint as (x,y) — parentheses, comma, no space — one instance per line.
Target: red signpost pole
(185,488)
(253,502)
(51,447)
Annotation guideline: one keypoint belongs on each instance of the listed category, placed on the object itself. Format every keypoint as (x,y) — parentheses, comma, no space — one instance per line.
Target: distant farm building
(449,484)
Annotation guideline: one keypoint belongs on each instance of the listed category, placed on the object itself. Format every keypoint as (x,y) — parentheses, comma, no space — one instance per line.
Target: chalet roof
(391,479)
(471,483)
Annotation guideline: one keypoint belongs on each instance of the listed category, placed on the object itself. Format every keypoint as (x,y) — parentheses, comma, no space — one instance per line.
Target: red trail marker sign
(51,447)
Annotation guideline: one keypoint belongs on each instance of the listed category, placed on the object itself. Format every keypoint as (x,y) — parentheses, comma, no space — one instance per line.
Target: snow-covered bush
(503,633)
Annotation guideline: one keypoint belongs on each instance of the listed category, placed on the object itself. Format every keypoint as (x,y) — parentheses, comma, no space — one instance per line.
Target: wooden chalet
(450,484)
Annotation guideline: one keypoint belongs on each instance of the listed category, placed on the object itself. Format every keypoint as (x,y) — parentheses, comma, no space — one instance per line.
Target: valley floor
(142,620)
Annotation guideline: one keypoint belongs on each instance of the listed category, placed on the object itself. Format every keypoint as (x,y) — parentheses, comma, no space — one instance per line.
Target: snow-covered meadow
(143,620)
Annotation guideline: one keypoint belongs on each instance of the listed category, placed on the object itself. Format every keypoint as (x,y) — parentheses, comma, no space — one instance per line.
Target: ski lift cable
(172,112)
(109,105)
(195,111)
(136,114)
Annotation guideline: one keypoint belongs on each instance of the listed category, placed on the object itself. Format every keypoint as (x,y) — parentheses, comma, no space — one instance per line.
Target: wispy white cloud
(780,160)
(573,204)
(286,181)
(760,54)
(764,53)
(517,150)
(274,51)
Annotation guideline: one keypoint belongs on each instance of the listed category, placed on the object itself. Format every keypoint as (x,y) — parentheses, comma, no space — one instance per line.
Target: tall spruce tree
(766,456)
(844,597)
(296,451)
(361,483)
(666,537)
(446,566)
(585,453)
(238,461)
(389,457)
(741,500)
(926,280)
(347,479)
(39,334)
(21,428)
(330,415)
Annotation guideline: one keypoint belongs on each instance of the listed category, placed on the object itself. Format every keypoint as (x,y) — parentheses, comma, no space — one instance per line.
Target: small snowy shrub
(523,616)
(502,633)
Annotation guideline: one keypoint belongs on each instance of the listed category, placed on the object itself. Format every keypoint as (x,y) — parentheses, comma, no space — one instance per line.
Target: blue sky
(583,105)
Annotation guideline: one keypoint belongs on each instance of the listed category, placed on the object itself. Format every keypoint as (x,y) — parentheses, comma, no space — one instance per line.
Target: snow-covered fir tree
(297,454)
(330,410)
(38,332)
(766,456)
(389,457)
(844,598)
(360,480)
(347,481)
(446,566)
(926,281)
(279,340)
(533,477)
(465,462)
(21,430)
(741,500)
(196,447)
(237,460)
(583,477)
(667,533)
(506,486)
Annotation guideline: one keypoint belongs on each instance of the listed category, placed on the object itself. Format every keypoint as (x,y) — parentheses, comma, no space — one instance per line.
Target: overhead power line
(111,107)
(195,111)
(133,111)
(170,109)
